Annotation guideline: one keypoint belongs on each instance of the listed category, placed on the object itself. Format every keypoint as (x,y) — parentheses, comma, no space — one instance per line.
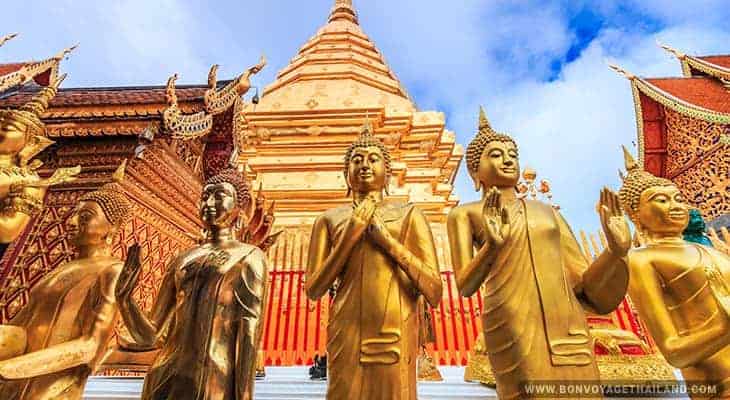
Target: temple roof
(703,93)
(108,110)
(340,54)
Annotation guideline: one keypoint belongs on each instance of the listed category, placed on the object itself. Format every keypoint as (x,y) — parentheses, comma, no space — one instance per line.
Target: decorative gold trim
(699,64)
(6,38)
(29,71)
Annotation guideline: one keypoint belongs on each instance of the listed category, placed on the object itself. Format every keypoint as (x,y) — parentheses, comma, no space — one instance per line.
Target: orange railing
(295,327)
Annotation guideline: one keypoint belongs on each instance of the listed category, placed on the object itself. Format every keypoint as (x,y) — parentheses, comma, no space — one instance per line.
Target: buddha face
(218,205)
(88,226)
(12,135)
(499,165)
(662,209)
(366,170)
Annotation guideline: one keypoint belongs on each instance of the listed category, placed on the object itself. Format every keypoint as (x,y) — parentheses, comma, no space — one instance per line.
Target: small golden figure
(680,289)
(206,317)
(383,259)
(57,340)
(22,137)
(534,278)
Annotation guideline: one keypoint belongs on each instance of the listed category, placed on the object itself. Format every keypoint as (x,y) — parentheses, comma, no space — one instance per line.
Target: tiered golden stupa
(293,143)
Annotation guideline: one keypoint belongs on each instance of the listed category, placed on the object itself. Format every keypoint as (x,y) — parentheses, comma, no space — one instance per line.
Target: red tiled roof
(703,92)
(720,60)
(41,79)
(9,68)
(107,96)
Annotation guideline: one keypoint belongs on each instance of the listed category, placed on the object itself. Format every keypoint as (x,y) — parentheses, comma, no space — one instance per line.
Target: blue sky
(539,68)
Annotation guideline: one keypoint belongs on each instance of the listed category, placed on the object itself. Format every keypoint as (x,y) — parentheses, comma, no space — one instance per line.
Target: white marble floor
(292,383)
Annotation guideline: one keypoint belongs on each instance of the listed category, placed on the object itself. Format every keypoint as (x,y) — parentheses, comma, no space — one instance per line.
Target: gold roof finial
(672,50)
(213,76)
(628,75)
(343,9)
(170,94)
(5,38)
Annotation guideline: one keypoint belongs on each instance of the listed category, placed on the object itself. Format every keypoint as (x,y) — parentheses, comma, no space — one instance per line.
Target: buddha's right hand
(496,218)
(361,217)
(130,274)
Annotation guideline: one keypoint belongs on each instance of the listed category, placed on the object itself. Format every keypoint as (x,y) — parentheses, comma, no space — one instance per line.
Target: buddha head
(655,205)
(17,127)
(224,196)
(101,213)
(492,157)
(367,163)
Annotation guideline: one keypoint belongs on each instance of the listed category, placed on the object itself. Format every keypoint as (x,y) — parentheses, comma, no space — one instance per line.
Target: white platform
(292,383)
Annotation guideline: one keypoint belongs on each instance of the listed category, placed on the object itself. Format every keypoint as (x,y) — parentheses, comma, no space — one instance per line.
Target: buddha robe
(69,320)
(211,348)
(533,319)
(372,332)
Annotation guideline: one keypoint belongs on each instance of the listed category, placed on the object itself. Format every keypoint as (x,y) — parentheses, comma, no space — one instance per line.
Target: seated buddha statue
(205,319)
(681,289)
(535,281)
(58,339)
(22,137)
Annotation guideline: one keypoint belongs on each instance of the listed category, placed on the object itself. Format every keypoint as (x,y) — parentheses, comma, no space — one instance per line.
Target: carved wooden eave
(294,140)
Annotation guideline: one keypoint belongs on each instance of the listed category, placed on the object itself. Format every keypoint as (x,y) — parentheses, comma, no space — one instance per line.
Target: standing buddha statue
(206,317)
(535,280)
(22,137)
(680,289)
(382,258)
(58,339)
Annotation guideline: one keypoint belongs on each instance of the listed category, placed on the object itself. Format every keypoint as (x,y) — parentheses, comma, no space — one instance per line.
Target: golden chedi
(381,257)
(535,280)
(680,289)
(206,317)
(58,339)
(22,138)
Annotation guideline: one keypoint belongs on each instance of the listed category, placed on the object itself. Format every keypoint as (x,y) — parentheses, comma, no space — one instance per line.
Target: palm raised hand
(618,234)
(496,218)
(130,273)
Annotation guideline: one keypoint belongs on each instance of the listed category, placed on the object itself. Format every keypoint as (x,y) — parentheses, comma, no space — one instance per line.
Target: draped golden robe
(534,324)
(372,332)
(213,340)
(74,302)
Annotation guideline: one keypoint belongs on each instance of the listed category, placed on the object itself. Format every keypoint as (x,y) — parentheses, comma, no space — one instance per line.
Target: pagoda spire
(343,10)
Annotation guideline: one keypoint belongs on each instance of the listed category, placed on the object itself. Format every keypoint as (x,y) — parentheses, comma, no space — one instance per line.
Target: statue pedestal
(292,383)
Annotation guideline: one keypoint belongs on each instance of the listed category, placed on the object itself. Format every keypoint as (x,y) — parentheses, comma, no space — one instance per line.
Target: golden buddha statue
(382,258)
(680,289)
(534,278)
(206,316)
(22,138)
(60,337)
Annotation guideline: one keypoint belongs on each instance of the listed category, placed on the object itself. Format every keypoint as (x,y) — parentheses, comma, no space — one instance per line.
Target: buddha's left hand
(379,232)
(618,234)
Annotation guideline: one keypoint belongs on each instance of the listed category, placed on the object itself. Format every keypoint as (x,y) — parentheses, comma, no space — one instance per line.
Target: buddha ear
(347,183)
(477,182)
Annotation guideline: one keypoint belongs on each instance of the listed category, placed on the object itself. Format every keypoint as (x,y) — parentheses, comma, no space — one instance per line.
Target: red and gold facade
(683,129)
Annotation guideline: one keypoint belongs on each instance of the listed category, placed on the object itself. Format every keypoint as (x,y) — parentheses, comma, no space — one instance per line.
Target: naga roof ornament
(192,126)
(30,70)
